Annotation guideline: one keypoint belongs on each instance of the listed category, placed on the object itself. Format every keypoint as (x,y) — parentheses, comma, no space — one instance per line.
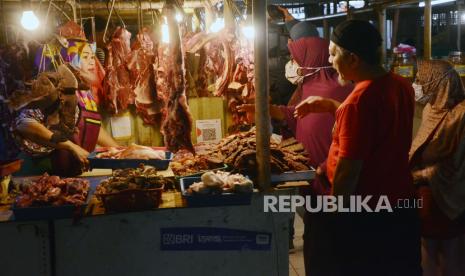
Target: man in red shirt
(368,157)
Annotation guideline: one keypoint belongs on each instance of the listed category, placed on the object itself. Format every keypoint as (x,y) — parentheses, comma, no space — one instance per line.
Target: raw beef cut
(140,65)
(132,152)
(117,84)
(219,61)
(160,68)
(178,123)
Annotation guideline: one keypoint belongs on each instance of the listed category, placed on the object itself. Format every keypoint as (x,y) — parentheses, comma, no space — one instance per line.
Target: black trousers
(346,244)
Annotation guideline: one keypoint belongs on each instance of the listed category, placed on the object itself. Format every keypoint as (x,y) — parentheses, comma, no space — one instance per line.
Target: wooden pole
(326,30)
(382,31)
(326,33)
(427,30)
(395,28)
(262,113)
(459,25)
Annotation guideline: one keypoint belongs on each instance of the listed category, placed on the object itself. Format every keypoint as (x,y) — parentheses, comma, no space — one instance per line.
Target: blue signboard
(210,238)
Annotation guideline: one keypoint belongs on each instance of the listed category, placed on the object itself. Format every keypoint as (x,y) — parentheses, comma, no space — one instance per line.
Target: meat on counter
(53,190)
(133,152)
(144,177)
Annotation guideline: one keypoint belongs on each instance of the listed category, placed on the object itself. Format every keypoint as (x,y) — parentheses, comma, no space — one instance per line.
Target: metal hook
(108,21)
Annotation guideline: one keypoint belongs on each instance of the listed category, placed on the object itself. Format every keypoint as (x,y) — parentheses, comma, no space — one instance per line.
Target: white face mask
(420,95)
(293,69)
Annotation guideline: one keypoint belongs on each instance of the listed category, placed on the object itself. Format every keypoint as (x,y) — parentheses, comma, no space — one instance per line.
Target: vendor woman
(45,147)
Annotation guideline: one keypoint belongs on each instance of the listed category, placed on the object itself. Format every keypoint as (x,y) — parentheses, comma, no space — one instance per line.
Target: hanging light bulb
(217,26)
(29,21)
(248,31)
(179,17)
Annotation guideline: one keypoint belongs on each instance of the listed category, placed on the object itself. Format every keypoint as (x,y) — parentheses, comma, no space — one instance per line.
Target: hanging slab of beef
(117,84)
(218,60)
(141,67)
(178,123)
(229,60)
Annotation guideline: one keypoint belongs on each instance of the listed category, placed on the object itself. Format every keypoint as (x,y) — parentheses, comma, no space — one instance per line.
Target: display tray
(8,167)
(107,163)
(293,176)
(198,174)
(50,212)
(224,199)
(131,200)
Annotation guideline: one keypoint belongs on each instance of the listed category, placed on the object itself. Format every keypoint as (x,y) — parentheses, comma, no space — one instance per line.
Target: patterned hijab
(72,54)
(439,146)
(439,78)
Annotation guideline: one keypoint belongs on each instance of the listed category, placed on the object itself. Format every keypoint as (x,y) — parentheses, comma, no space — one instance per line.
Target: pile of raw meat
(238,151)
(132,152)
(55,191)
(185,163)
(144,177)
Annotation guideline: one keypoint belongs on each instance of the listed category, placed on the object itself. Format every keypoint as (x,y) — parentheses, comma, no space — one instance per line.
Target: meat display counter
(170,240)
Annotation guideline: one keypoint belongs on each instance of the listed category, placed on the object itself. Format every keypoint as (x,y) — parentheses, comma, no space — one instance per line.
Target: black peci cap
(359,37)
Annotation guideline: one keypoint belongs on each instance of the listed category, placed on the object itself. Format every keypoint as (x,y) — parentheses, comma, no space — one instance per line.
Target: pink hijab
(314,130)
(313,52)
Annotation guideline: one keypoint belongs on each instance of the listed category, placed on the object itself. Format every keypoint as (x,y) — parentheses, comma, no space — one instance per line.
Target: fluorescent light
(249,32)
(435,2)
(357,4)
(29,21)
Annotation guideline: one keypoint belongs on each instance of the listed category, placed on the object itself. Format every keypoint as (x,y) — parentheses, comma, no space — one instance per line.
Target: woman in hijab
(57,132)
(310,68)
(437,159)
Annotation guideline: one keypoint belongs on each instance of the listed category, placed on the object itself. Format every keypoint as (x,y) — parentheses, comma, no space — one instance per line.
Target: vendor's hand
(275,111)
(315,104)
(248,108)
(80,153)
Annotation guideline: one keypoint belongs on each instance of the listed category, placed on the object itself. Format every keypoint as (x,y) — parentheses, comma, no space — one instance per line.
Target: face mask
(420,96)
(292,71)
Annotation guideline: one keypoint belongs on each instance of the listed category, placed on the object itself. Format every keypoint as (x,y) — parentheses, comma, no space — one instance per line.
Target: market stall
(176,184)
(181,192)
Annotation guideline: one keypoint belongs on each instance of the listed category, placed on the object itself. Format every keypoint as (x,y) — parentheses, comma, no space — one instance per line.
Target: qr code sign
(208,130)
(209,134)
